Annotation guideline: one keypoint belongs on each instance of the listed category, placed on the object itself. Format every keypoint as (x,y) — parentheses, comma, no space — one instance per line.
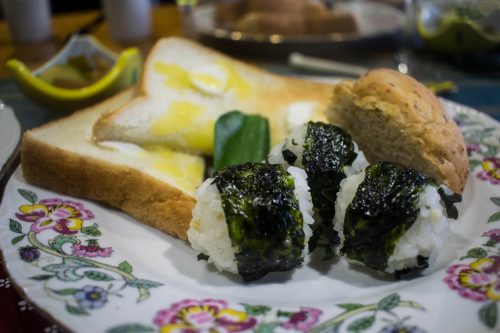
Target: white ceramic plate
(117,275)
(10,133)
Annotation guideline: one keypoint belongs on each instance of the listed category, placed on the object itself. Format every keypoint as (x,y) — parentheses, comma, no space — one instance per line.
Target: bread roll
(272,23)
(334,22)
(395,118)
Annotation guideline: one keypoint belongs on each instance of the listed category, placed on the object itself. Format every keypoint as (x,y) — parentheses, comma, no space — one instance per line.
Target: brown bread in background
(284,17)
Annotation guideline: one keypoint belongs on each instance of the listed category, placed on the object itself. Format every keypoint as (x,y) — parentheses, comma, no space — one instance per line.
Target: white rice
(348,187)
(425,237)
(208,231)
(294,142)
(302,193)
(358,165)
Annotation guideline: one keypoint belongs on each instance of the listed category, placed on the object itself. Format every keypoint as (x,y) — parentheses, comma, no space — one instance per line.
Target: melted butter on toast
(182,170)
(187,123)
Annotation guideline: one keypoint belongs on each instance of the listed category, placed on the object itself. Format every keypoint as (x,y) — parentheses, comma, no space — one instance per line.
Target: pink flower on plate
(192,316)
(63,216)
(473,148)
(91,250)
(491,170)
(493,234)
(303,320)
(478,281)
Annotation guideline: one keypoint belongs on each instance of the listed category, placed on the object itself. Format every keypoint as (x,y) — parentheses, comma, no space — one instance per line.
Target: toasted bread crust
(103,128)
(71,172)
(394,117)
(150,201)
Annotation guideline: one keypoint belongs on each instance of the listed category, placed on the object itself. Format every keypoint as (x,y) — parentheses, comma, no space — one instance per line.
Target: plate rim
(53,318)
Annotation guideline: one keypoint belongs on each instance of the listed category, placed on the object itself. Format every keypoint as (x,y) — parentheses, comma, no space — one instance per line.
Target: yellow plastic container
(124,72)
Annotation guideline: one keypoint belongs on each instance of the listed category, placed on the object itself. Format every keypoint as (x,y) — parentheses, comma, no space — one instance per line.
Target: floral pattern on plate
(57,248)
(479,280)
(483,143)
(198,316)
(65,220)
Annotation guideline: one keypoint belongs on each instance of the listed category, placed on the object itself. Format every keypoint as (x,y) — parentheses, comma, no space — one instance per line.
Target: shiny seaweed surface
(263,218)
(383,209)
(327,149)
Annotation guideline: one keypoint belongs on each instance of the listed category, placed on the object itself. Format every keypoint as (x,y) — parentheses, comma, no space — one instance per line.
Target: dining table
(477,81)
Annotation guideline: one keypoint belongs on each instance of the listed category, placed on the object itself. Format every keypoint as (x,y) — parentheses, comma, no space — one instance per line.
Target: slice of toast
(155,186)
(185,87)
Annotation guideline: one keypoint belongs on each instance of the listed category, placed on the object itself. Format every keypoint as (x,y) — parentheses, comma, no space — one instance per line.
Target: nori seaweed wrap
(327,154)
(260,212)
(391,218)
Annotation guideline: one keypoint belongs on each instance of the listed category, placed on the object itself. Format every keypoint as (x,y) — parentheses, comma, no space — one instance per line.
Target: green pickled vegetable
(383,209)
(78,71)
(240,138)
(263,218)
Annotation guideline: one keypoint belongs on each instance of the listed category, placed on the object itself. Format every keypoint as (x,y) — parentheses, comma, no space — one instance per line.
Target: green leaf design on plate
(125,266)
(490,243)
(286,314)
(350,306)
(76,310)
(473,164)
(17,239)
(142,283)
(66,271)
(58,242)
(28,195)
(494,218)
(488,314)
(64,292)
(389,302)
(42,277)
(98,276)
(267,327)
(143,294)
(92,230)
(475,253)
(255,310)
(495,200)
(361,324)
(130,328)
(15,226)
